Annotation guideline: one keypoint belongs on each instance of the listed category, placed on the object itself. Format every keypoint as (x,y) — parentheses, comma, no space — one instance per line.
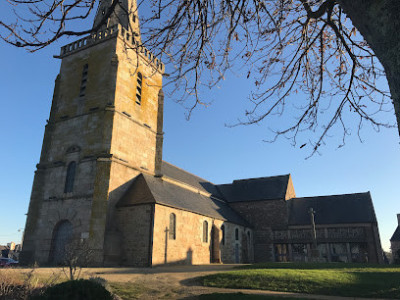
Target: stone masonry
(94,130)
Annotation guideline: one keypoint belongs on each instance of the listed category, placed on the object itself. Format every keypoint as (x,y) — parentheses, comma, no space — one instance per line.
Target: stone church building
(101,183)
(395,243)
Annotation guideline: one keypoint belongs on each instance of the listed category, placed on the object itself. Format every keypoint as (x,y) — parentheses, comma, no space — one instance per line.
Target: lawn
(241,296)
(352,280)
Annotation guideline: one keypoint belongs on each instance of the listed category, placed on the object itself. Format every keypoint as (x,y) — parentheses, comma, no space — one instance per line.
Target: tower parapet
(117,30)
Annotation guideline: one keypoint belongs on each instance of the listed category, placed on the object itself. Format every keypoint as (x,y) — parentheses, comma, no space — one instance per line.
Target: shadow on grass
(163,269)
(239,296)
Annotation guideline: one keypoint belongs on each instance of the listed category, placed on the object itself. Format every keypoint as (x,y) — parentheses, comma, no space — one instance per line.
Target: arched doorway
(62,235)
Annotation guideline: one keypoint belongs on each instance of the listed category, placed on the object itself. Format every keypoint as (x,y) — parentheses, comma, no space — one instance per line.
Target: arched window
(205,232)
(62,236)
(172,227)
(236,234)
(139,89)
(223,234)
(84,80)
(69,181)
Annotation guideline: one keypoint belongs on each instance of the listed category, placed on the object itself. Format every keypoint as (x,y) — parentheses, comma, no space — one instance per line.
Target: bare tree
(77,255)
(317,56)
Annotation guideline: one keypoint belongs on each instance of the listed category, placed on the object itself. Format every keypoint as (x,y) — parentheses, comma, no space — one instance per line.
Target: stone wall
(395,249)
(188,247)
(264,216)
(135,227)
(75,210)
(395,244)
(121,177)
(136,125)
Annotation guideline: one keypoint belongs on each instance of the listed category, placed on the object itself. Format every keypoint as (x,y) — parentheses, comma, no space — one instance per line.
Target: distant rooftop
(255,189)
(333,209)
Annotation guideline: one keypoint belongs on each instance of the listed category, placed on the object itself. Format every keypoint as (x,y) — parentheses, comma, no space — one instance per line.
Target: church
(101,183)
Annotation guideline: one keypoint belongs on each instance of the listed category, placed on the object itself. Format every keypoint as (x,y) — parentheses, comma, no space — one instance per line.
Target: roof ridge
(187,172)
(257,178)
(323,196)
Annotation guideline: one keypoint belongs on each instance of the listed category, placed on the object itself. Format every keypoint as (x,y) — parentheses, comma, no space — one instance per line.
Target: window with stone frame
(338,252)
(236,234)
(69,180)
(205,232)
(139,88)
(223,234)
(359,252)
(323,252)
(172,226)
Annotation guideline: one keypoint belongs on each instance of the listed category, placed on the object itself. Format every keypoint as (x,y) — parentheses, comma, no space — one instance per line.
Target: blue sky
(203,145)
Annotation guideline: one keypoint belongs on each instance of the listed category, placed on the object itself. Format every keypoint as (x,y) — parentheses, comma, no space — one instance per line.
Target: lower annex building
(101,183)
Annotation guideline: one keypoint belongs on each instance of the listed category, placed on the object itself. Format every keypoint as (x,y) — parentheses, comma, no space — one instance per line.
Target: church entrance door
(62,235)
(215,250)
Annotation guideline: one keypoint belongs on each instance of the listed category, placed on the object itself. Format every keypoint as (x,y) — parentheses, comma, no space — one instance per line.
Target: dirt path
(171,282)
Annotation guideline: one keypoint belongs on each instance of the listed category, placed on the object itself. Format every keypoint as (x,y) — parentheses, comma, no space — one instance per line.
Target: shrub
(77,290)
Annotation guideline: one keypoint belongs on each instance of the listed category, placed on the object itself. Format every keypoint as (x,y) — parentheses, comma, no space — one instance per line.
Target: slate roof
(181,175)
(396,235)
(255,189)
(150,189)
(334,209)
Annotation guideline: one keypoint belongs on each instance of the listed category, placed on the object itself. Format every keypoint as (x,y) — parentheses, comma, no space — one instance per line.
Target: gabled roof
(396,235)
(149,189)
(181,175)
(255,189)
(334,209)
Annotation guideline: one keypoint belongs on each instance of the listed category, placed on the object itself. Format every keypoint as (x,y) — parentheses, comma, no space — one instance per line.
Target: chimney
(398,219)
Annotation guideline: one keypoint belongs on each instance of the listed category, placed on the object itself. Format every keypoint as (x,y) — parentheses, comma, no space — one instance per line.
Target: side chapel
(101,180)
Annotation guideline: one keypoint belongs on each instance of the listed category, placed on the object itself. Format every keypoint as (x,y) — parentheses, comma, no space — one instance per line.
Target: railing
(108,33)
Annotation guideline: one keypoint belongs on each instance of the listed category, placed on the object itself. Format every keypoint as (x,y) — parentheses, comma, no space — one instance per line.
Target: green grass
(241,296)
(353,280)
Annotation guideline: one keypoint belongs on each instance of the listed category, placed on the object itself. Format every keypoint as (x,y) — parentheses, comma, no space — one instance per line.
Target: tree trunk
(378,21)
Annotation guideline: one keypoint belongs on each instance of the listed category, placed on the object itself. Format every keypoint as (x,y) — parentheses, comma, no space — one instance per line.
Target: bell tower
(104,129)
(125,14)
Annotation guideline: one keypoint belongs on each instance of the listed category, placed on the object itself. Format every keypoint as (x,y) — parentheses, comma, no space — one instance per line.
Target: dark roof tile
(334,209)
(255,189)
(396,235)
(149,189)
(181,175)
